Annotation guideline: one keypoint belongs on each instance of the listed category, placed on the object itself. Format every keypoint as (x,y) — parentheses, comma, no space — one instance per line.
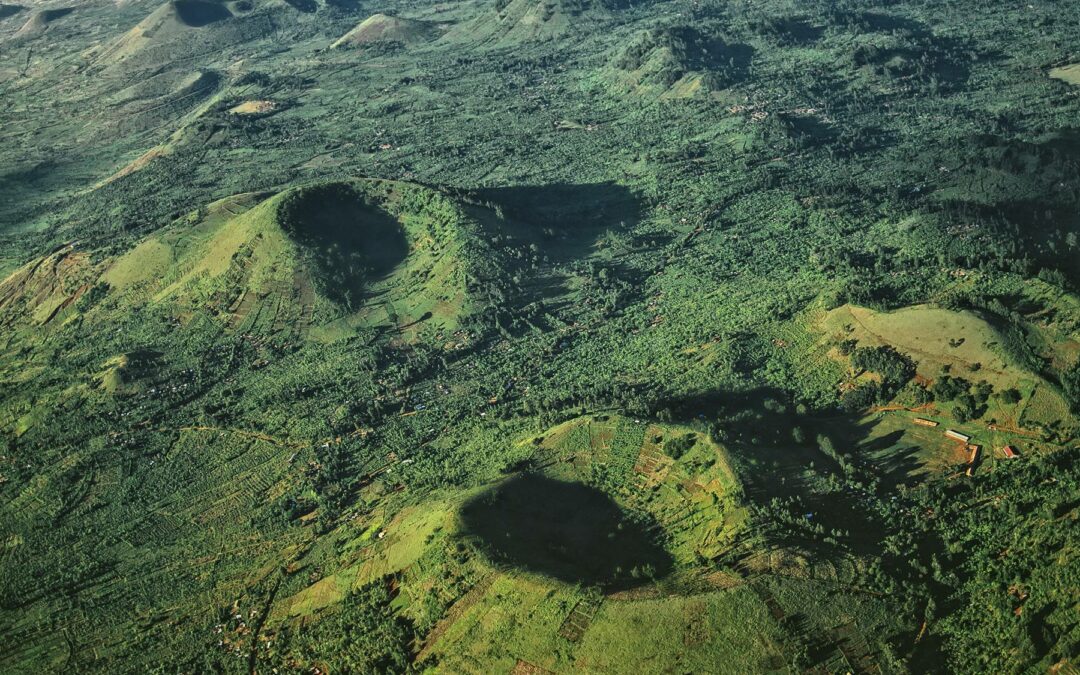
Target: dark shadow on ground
(305,6)
(351,241)
(344,5)
(797,480)
(568,531)
(10,10)
(861,21)
(834,501)
(787,31)
(196,14)
(560,242)
(562,220)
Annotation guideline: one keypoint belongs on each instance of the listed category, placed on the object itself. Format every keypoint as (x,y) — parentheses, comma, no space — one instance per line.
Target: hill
(326,259)
(159,89)
(173,22)
(42,287)
(39,20)
(678,62)
(384,28)
(967,374)
(513,22)
(962,346)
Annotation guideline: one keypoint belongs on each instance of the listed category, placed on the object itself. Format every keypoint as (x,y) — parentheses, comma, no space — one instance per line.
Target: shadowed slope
(569,531)
(348,240)
(169,23)
(40,20)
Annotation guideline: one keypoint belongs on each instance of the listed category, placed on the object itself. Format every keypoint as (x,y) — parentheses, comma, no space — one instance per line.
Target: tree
(1010,396)
(368,636)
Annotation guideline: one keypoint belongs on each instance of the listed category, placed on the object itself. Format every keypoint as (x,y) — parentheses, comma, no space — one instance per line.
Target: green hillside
(38,22)
(382,28)
(316,261)
(174,26)
(678,62)
(511,22)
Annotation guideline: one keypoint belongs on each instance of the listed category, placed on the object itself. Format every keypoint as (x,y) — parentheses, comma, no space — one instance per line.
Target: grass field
(928,334)
(724,632)
(961,344)
(1069,74)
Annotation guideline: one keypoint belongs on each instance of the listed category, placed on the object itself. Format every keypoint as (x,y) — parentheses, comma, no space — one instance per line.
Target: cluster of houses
(973,450)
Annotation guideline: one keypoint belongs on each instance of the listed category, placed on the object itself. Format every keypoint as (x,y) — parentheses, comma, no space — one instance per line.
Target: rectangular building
(956,435)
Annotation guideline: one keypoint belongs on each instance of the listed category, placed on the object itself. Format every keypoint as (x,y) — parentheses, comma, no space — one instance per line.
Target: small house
(925,422)
(1009,452)
(956,435)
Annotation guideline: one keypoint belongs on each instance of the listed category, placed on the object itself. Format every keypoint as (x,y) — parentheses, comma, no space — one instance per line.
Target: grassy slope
(235,258)
(964,345)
